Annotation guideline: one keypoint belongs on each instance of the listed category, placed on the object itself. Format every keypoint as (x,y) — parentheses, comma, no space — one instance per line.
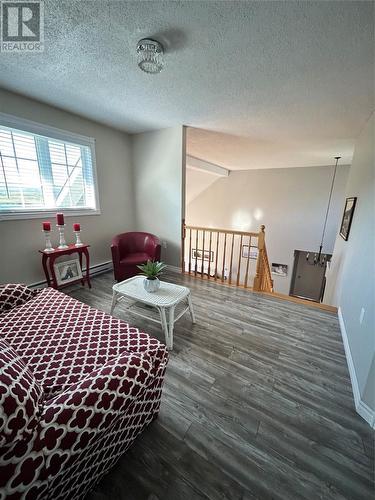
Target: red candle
(46,226)
(60,219)
(76,226)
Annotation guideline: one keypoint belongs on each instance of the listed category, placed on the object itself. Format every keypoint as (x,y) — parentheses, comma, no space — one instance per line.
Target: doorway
(308,278)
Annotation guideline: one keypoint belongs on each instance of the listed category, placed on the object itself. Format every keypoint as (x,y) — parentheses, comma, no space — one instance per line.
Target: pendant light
(320,259)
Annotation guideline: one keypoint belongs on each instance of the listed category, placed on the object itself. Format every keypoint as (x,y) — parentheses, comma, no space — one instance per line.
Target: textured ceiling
(245,153)
(292,77)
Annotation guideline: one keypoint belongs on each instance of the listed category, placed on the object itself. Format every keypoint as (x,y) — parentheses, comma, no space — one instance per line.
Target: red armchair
(131,249)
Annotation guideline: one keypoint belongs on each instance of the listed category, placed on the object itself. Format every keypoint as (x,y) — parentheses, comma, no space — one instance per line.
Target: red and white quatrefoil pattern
(13,295)
(86,383)
(20,397)
(63,340)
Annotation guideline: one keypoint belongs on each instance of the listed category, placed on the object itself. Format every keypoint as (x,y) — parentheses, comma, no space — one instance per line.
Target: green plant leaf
(152,269)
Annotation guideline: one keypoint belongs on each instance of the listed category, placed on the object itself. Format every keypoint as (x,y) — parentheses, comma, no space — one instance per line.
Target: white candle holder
(49,247)
(78,242)
(62,244)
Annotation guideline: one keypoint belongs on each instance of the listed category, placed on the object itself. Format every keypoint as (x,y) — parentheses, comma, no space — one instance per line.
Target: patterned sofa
(77,387)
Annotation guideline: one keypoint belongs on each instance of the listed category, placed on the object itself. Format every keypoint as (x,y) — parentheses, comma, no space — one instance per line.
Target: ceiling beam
(206,166)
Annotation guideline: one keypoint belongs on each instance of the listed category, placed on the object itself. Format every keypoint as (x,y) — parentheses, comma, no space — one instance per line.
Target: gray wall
(21,239)
(291,202)
(350,283)
(158,165)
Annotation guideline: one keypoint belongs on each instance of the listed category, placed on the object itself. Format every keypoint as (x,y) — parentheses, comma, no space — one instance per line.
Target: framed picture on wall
(198,254)
(67,271)
(347,217)
(253,254)
(279,269)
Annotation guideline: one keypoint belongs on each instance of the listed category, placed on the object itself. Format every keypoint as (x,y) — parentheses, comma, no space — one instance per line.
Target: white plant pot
(151,286)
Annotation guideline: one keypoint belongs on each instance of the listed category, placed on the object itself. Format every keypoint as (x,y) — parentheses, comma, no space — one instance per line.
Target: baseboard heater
(94,271)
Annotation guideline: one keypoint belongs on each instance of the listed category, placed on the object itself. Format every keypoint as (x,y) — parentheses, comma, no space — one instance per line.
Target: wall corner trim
(361,407)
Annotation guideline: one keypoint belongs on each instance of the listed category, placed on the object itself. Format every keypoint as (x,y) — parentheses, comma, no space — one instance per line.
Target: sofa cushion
(63,340)
(20,397)
(13,295)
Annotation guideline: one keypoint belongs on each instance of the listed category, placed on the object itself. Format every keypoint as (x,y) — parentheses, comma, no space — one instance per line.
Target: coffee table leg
(164,324)
(171,326)
(114,300)
(191,310)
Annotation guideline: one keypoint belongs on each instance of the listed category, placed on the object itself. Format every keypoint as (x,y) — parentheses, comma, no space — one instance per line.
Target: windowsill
(43,214)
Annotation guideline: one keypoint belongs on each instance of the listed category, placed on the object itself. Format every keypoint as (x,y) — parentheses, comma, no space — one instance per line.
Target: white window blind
(39,173)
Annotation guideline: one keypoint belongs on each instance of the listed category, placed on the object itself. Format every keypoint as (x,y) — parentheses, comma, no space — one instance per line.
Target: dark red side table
(48,260)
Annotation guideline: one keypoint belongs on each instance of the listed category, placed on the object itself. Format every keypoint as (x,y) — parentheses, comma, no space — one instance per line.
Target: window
(43,170)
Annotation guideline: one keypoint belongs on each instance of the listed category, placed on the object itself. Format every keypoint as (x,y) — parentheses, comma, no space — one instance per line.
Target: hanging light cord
(328,207)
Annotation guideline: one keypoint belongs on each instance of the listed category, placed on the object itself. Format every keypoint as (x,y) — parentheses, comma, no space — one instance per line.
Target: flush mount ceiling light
(150,55)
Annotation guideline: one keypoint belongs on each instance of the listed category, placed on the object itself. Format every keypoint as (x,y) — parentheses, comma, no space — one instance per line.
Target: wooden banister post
(261,237)
(183,236)
(259,269)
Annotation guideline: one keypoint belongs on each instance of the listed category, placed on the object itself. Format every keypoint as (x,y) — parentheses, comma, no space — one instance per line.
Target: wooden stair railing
(226,256)
(263,281)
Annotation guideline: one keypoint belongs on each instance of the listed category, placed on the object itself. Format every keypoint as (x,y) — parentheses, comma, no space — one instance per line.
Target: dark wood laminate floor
(257,403)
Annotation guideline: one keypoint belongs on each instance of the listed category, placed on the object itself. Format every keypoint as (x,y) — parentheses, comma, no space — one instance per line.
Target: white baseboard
(94,271)
(100,268)
(361,407)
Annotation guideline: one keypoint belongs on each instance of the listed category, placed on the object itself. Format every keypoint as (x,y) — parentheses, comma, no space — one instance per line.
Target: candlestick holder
(62,244)
(78,242)
(49,247)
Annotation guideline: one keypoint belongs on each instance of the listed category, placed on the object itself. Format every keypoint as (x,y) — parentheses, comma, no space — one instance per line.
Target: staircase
(229,257)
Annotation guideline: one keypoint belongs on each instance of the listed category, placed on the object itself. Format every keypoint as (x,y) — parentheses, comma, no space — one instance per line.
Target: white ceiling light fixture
(150,55)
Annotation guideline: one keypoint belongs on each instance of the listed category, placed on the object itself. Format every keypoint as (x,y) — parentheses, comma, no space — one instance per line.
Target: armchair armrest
(116,259)
(115,253)
(153,248)
(157,252)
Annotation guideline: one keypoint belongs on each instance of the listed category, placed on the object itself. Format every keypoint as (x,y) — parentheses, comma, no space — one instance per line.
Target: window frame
(50,132)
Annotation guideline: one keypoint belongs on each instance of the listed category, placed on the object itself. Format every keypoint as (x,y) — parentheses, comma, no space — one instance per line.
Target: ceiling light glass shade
(150,55)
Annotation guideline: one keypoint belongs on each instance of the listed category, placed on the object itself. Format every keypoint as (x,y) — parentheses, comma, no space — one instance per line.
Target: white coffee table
(164,300)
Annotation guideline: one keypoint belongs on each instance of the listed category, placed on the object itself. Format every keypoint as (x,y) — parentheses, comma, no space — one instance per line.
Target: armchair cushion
(20,397)
(135,258)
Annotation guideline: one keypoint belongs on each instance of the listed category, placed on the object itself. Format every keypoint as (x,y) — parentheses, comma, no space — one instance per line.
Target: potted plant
(151,270)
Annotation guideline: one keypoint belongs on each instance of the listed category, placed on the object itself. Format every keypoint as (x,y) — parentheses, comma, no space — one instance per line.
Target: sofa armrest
(91,421)
(93,404)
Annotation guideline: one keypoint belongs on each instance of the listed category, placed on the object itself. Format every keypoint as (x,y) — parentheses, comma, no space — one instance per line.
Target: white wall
(197,181)
(21,239)
(351,282)
(291,202)
(159,166)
